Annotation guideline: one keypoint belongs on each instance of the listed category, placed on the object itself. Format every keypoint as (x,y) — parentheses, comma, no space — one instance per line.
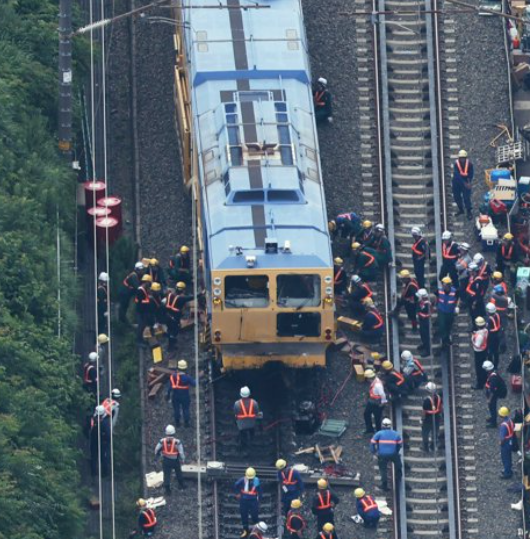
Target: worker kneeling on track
(373,325)
(396,384)
(146,519)
(368,513)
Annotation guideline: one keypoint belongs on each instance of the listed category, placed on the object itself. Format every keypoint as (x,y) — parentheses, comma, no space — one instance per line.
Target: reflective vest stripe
(484,344)
(172,302)
(469,289)
(447,252)
(509,429)
(368,289)
(339,276)
(496,323)
(169,447)
(246,413)
(251,492)
(145,298)
(419,366)
(415,249)
(88,369)
(399,376)
(324,504)
(150,516)
(371,393)
(126,281)
(507,255)
(289,523)
(108,404)
(379,320)
(318,98)
(175,380)
(289,479)
(368,503)
(463,171)
(371,259)
(436,405)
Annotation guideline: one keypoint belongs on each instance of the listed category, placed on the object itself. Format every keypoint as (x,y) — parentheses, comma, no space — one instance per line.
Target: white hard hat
(139,266)
(431,387)
(323,81)
(262,527)
(386,423)
(379,226)
(116,393)
(92,356)
(244,392)
(415,231)
(478,258)
(406,355)
(488,366)
(490,308)
(462,153)
(104,277)
(355,279)
(100,411)
(446,235)
(182,364)
(170,430)
(422,293)
(464,246)
(472,267)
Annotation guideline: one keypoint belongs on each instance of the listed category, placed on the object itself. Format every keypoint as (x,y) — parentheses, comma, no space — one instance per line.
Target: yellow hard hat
(355,245)
(181,285)
(141,502)
(332,226)
(156,287)
(322,484)
(447,280)
(404,274)
(359,492)
(497,275)
(184,249)
(182,364)
(387,365)
(153,262)
(338,261)
(281,464)
(479,321)
(103,338)
(147,279)
(250,473)
(462,153)
(296,504)
(375,355)
(504,411)
(328,527)
(367,224)
(508,236)
(369,374)
(367,301)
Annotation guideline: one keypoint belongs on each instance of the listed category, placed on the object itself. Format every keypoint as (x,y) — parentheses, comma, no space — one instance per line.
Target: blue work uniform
(386,444)
(506,437)
(178,390)
(292,486)
(463,173)
(249,493)
(368,510)
(446,306)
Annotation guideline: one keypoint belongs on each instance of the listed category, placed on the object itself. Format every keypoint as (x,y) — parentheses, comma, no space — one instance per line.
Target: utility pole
(65,76)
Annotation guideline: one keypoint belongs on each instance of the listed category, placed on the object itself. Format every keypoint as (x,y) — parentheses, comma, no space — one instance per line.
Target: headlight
(329,290)
(328,279)
(216,291)
(217,281)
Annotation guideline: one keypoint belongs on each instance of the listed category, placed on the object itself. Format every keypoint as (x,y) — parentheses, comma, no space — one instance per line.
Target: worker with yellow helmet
(291,484)
(295,523)
(368,513)
(408,298)
(180,266)
(340,277)
(144,309)
(373,324)
(507,255)
(463,174)
(155,270)
(178,392)
(248,491)
(328,531)
(323,504)
(447,307)
(146,518)
(347,225)
(174,304)
(507,440)
(364,262)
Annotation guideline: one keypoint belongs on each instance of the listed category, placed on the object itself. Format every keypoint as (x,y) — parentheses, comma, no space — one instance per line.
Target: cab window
(298,291)
(246,292)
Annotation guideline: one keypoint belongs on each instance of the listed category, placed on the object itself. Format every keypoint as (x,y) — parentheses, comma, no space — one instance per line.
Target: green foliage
(39,391)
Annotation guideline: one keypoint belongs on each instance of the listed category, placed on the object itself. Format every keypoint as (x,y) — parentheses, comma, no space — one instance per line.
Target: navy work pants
(184,405)
(506,458)
(419,271)
(462,196)
(249,508)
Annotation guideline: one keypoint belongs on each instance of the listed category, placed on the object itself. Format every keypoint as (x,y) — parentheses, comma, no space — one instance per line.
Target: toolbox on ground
(488,237)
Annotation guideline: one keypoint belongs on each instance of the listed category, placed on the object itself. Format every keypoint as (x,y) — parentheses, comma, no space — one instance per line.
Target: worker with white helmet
(432,417)
(495,389)
(258,531)
(412,369)
(128,289)
(90,373)
(178,392)
(246,412)
(102,301)
(495,333)
(449,257)
(99,438)
(420,253)
(248,490)
(479,340)
(358,291)
(463,174)
(171,450)
(112,406)
(380,245)
(322,101)
(462,265)
(424,321)
(375,405)
(474,293)
(386,445)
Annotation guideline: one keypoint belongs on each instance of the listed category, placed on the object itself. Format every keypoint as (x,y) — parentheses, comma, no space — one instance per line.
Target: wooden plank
(156,380)
(155,389)
(159,370)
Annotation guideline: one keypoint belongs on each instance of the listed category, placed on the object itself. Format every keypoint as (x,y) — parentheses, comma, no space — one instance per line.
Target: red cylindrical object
(102,225)
(114,205)
(94,190)
(97,212)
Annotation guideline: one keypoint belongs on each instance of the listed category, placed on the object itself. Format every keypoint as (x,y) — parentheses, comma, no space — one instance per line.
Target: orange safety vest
(318,98)
(337,278)
(246,413)
(288,480)
(371,259)
(507,255)
(176,383)
(368,503)
(469,289)
(379,318)
(126,281)
(251,492)
(484,344)
(145,298)
(463,172)
(417,251)
(496,322)
(108,404)
(490,375)
(169,447)
(420,370)
(446,252)
(421,314)
(510,428)
(404,292)
(399,376)
(289,523)
(371,393)
(326,535)
(324,504)
(87,379)
(368,289)
(436,405)
(172,302)
(150,516)
(501,309)
(504,286)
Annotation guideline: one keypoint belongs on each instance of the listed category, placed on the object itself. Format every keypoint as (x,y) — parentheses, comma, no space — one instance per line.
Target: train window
(280,107)
(230,107)
(282,195)
(233,135)
(246,292)
(256,195)
(298,291)
(286,153)
(298,325)
(254,96)
(236,156)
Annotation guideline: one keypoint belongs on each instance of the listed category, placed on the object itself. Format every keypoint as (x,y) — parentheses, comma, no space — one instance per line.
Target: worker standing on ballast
(386,445)
(494,326)
(373,325)
(180,266)
(291,483)
(128,290)
(479,340)
(178,392)
(340,277)
(420,253)
(90,373)
(463,174)
(144,310)
(432,417)
(506,441)
(172,452)
(495,389)
(295,523)
(246,412)
(324,503)
(408,298)
(450,256)
(507,257)
(112,406)
(102,299)
(364,262)
(376,402)
(424,321)
(322,101)
(328,532)
(248,492)
(174,304)
(99,437)
(447,307)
